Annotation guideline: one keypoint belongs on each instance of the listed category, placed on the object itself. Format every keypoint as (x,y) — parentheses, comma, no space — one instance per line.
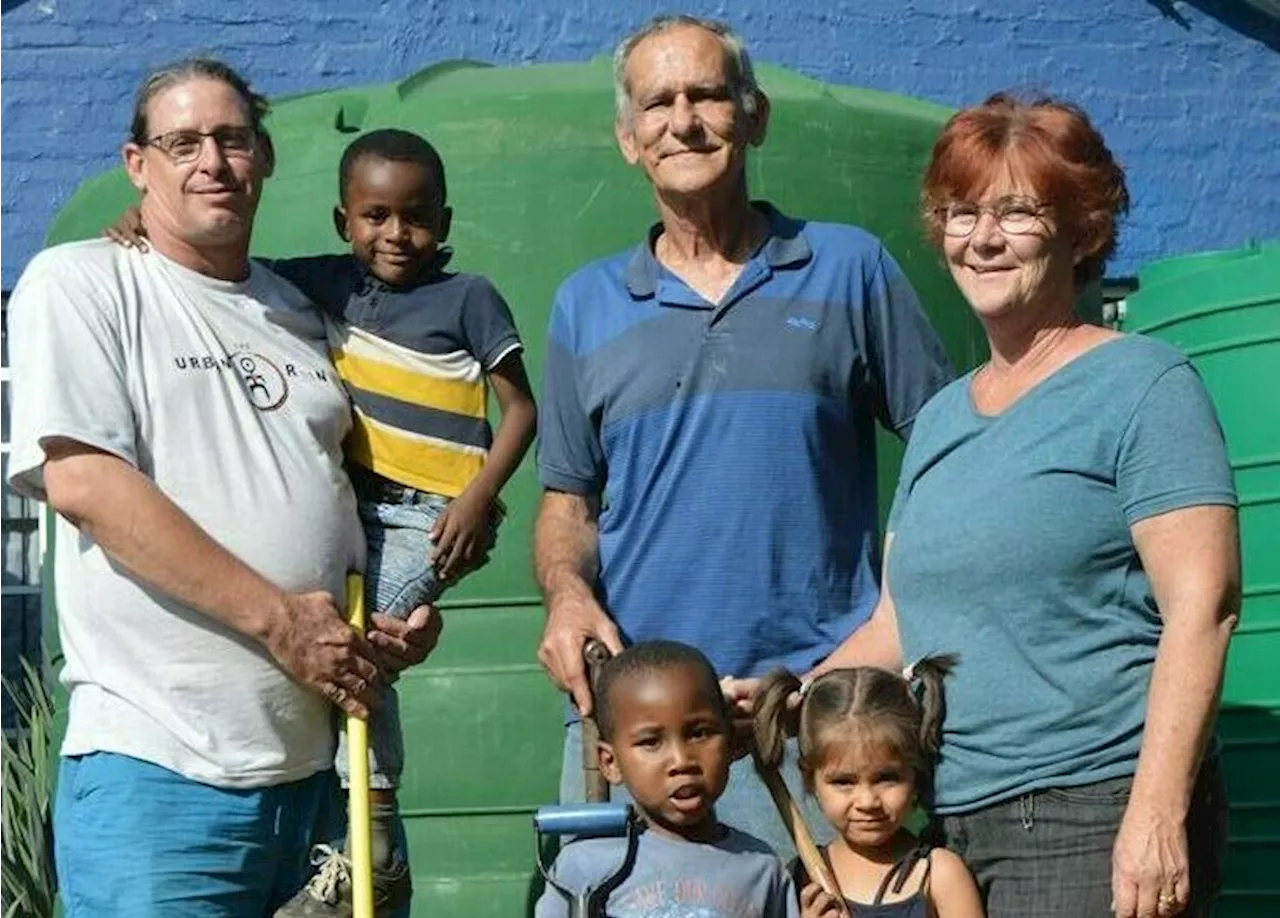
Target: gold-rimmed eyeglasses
(1016,216)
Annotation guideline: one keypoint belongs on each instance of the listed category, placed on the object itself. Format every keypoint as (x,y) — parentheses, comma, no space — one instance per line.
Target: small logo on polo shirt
(802,323)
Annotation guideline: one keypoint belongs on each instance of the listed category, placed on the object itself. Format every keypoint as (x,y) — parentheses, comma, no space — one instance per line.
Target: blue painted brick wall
(1187,93)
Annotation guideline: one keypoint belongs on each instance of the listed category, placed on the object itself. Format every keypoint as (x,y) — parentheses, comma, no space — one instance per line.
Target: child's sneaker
(328,893)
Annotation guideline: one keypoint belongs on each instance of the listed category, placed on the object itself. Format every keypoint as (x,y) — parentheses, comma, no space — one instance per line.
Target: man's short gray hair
(183,71)
(742,76)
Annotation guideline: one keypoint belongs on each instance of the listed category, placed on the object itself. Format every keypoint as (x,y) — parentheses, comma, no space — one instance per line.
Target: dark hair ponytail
(930,672)
(904,709)
(773,721)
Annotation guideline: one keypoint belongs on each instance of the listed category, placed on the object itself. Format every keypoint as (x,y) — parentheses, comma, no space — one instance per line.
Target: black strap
(903,869)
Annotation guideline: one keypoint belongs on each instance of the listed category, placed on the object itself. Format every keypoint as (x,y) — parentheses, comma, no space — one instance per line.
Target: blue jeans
(745,805)
(135,840)
(399,577)
(1047,854)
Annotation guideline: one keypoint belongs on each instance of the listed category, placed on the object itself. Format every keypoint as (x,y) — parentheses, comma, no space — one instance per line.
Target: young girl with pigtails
(868,741)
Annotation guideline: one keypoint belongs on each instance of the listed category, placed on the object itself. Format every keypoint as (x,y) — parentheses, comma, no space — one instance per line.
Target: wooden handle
(596,788)
(814,863)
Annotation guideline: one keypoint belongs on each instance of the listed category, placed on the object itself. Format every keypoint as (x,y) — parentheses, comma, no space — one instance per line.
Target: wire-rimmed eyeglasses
(184,146)
(1016,216)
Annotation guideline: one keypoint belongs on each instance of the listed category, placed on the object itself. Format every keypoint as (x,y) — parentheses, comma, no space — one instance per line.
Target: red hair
(1052,146)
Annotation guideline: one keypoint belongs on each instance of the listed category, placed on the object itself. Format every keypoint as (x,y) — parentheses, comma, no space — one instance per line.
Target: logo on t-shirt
(686,897)
(263,380)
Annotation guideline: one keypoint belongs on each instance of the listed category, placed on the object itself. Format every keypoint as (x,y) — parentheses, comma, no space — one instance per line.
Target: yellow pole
(358,817)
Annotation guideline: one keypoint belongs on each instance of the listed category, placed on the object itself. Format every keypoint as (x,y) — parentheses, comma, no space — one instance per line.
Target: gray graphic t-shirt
(222,394)
(736,877)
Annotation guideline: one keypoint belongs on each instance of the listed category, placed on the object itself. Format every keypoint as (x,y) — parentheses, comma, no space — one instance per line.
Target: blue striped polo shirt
(733,443)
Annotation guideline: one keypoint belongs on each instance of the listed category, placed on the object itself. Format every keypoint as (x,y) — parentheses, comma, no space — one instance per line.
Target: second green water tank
(1223,310)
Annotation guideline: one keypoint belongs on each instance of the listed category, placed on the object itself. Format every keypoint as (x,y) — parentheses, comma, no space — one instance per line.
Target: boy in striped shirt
(417,347)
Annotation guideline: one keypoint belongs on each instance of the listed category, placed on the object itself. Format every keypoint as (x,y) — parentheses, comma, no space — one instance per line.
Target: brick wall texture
(1187,93)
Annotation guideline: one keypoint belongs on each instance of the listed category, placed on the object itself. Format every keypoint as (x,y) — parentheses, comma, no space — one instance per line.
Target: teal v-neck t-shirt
(1012,548)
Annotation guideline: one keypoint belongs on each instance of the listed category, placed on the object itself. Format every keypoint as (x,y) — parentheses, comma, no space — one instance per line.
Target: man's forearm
(566,557)
(566,546)
(124,513)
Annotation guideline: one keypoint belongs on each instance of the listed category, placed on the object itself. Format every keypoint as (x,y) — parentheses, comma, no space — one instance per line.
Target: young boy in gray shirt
(665,736)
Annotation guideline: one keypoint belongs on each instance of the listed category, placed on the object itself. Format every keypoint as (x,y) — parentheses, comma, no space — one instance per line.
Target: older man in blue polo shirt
(710,400)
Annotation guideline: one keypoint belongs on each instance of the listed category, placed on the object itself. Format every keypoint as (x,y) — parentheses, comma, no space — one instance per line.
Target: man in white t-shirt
(178,410)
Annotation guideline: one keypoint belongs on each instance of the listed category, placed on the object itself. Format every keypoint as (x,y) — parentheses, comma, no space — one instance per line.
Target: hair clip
(805,685)
(909,672)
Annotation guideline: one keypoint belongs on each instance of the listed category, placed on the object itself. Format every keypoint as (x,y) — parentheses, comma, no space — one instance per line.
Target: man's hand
(399,644)
(312,641)
(739,698)
(570,622)
(128,230)
(459,535)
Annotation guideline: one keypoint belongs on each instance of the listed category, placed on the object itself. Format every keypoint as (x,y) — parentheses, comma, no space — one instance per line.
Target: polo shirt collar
(784,248)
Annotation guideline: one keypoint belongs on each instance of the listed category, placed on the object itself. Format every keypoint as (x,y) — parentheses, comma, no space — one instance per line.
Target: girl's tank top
(914,906)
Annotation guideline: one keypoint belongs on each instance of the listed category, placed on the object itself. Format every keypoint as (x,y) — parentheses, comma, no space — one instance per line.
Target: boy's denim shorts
(398,578)
(398,520)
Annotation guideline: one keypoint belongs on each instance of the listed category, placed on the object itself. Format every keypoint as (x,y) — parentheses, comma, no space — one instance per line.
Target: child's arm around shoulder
(952,890)
(326,280)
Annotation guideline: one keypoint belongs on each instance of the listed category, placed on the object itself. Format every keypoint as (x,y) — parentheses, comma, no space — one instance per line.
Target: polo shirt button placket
(369,310)
(693,358)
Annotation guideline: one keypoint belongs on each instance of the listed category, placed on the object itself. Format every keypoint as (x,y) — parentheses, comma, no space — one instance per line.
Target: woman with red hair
(1066,523)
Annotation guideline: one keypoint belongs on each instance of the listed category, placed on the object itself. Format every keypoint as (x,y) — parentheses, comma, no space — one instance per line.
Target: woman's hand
(1150,870)
(1192,559)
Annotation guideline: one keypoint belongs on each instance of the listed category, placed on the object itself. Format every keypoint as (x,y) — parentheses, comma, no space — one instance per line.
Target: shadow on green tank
(538,188)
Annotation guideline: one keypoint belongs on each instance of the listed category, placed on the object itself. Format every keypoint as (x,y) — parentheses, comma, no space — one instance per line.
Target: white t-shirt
(223,394)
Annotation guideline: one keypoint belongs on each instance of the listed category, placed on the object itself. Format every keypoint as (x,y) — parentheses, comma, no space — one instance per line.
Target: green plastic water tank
(538,188)
(1223,310)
